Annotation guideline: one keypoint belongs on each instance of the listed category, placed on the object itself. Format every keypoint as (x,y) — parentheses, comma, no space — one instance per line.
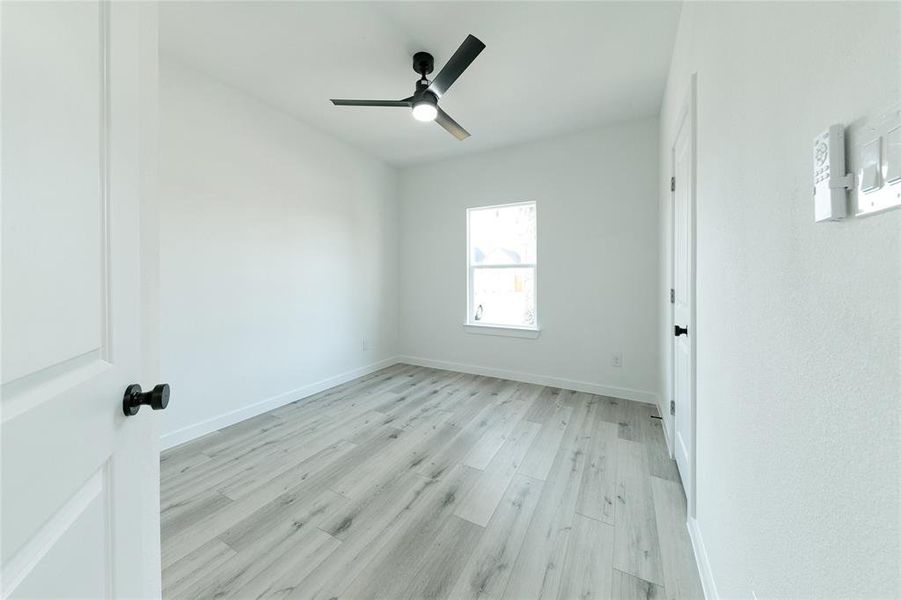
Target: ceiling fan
(424,100)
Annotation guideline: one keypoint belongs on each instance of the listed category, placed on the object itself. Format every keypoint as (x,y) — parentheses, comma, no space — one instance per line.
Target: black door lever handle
(677,331)
(157,398)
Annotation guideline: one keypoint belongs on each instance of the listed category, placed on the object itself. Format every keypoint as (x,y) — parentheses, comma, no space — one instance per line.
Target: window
(502,266)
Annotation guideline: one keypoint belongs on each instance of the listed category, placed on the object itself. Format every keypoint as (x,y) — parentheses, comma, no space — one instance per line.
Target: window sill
(502,330)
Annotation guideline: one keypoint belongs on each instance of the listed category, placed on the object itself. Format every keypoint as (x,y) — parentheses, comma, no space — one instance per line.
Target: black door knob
(680,331)
(157,398)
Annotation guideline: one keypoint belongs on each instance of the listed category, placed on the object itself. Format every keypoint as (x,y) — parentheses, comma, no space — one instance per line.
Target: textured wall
(799,324)
(278,254)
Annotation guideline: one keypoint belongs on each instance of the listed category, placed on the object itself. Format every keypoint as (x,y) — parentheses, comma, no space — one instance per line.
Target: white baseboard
(704,570)
(186,434)
(567,384)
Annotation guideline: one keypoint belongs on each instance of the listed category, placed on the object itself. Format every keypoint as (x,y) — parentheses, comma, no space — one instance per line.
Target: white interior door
(80,488)
(683,305)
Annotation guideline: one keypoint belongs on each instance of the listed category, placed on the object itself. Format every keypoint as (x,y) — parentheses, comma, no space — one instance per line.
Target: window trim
(502,330)
(478,327)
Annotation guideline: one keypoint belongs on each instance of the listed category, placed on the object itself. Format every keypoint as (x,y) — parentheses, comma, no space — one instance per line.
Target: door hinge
(672,184)
(672,296)
(672,407)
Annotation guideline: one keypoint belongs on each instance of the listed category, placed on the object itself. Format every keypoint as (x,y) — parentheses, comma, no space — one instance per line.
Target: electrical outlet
(617,359)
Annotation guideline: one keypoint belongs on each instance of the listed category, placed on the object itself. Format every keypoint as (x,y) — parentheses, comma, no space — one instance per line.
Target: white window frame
(471,326)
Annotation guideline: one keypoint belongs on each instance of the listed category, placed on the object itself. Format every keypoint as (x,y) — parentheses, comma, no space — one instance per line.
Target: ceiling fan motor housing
(421,90)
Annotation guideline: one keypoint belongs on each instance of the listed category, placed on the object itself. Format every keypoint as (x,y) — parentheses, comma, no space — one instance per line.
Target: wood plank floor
(419,483)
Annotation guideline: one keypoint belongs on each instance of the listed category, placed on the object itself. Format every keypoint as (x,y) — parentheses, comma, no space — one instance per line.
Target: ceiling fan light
(425,111)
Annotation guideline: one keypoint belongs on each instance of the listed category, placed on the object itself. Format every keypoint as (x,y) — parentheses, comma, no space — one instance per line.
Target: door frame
(687,118)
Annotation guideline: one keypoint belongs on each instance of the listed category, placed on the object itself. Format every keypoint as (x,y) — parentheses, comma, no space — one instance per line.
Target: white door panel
(683,306)
(79,479)
(79,524)
(51,156)
(682,425)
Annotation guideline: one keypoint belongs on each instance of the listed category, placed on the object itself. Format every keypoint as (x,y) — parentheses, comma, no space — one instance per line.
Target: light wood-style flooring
(420,483)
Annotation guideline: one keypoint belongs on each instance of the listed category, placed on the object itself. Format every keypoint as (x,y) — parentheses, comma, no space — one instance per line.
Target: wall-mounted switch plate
(876,159)
(871,166)
(893,156)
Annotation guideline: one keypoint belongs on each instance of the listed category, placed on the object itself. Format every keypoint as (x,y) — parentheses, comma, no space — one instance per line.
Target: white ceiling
(548,68)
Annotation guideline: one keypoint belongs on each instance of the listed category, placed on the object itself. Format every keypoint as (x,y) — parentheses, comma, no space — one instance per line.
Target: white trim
(502,205)
(567,384)
(502,330)
(186,434)
(706,573)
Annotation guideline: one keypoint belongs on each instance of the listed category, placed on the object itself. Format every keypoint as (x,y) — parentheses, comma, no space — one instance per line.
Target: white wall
(597,259)
(278,255)
(798,323)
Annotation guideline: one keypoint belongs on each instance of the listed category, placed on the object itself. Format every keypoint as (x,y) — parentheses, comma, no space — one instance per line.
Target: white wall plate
(875,150)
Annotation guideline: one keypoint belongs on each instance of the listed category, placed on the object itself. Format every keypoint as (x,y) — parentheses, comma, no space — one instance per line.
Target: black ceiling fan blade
(458,63)
(342,102)
(451,126)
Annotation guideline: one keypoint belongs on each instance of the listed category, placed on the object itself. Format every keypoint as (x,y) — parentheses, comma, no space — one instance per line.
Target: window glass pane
(503,235)
(503,296)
